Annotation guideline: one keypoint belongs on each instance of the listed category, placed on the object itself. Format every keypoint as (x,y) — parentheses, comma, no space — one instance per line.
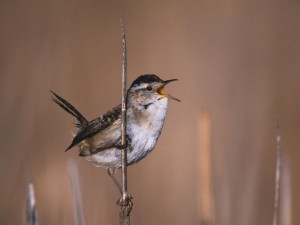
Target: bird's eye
(149,88)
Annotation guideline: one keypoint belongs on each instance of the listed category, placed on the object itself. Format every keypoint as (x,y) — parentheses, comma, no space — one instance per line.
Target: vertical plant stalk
(286,199)
(76,193)
(205,185)
(278,176)
(31,215)
(123,116)
(125,201)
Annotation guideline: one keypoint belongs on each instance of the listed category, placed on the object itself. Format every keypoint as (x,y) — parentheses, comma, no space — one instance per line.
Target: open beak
(161,91)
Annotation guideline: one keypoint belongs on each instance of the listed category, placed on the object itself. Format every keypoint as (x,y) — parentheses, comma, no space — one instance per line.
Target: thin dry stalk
(125,201)
(205,184)
(277,177)
(76,193)
(31,214)
(286,206)
(123,117)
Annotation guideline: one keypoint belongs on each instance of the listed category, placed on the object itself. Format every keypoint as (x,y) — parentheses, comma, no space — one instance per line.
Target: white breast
(143,130)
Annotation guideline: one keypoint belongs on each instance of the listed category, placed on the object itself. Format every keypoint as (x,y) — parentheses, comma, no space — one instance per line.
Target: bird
(99,140)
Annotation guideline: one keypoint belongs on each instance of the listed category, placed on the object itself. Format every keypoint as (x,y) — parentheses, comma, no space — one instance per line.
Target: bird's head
(147,90)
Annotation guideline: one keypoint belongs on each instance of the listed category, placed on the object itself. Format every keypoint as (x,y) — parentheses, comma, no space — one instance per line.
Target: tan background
(237,59)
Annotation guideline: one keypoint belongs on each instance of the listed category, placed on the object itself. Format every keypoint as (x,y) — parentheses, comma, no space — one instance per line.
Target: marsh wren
(99,140)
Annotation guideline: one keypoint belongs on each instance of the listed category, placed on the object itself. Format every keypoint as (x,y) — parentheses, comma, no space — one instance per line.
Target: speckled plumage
(98,139)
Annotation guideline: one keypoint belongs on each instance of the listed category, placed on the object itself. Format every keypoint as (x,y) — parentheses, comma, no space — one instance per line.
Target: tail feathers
(70,109)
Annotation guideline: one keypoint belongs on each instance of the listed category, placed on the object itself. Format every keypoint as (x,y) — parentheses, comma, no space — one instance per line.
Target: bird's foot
(126,145)
(125,201)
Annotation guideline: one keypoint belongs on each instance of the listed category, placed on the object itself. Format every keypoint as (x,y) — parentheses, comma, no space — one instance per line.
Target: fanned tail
(82,121)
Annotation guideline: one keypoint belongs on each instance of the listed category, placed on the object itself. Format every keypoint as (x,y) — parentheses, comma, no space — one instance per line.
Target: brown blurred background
(237,60)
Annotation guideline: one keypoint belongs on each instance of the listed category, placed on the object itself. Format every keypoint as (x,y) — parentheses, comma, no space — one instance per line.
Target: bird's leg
(112,173)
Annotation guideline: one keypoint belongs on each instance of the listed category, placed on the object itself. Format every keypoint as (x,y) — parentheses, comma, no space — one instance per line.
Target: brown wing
(104,125)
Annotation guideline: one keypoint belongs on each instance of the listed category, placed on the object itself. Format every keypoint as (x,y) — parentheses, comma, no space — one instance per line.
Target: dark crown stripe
(147,78)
